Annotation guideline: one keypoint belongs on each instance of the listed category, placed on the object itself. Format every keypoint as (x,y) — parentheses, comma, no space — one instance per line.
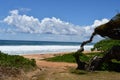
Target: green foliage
(105,45)
(104,66)
(84,57)
(110,66)
(70,57)
(62,58)
(16,61)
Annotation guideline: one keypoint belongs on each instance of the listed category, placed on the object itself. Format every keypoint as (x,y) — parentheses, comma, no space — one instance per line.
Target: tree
(111,30)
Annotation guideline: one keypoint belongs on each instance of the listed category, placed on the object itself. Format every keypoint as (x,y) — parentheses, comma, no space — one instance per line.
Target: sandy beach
(48,55)
(43,56)
(48,69)
(42,63)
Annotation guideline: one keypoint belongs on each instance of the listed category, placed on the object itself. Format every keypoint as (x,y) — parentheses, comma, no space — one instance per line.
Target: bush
(110,66)
(105,45)
(16,61)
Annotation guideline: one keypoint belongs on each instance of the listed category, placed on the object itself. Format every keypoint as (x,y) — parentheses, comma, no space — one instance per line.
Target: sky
(54,20)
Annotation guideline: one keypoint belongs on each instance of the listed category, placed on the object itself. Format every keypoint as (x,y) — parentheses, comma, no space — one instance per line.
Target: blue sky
(54,20)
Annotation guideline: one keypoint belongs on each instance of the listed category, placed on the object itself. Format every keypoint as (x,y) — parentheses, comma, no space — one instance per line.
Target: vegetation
(105,45)
(15,61)
(69,57)
(110,66)
(62,58)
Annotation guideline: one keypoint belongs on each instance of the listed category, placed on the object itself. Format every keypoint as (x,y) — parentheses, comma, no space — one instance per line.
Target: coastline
(48,55)
(40,49)
(43,55)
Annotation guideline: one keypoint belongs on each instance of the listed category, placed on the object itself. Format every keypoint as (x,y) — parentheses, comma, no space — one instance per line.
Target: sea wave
(40,49)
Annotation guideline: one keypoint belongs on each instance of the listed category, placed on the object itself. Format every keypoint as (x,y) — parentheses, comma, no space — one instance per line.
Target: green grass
(62,58)
(15,61)
(79,72)
(70,57)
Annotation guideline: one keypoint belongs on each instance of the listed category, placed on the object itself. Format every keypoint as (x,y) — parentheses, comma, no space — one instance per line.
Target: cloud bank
(29,24)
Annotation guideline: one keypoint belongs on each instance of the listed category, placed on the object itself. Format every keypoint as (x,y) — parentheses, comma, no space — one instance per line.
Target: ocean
(18,47)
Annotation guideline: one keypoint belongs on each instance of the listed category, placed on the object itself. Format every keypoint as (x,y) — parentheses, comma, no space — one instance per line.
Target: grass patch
(70,57)
(80,72)
(62,58)
(15,61)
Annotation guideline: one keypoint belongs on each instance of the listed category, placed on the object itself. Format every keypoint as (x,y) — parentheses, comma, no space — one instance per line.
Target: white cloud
(90,29)
(29,24)
(22,23)
(14,12)
(98,22)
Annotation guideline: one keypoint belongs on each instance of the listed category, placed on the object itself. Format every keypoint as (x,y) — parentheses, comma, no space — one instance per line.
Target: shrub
(110,66)
(105,45)
(16,61)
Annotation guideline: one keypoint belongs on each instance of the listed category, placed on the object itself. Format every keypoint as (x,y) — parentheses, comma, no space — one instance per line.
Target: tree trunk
(80,64)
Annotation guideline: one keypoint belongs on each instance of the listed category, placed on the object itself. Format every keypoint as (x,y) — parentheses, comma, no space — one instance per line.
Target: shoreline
(41,49)
(43,55)
(48,55)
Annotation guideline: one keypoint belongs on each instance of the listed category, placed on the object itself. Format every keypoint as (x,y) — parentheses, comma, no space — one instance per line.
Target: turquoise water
(39,47)
(19,42)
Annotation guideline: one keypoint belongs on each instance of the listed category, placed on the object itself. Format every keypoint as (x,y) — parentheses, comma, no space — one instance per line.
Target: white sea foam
(26,49)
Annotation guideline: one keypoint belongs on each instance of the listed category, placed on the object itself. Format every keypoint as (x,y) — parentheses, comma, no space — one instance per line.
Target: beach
(48,55)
